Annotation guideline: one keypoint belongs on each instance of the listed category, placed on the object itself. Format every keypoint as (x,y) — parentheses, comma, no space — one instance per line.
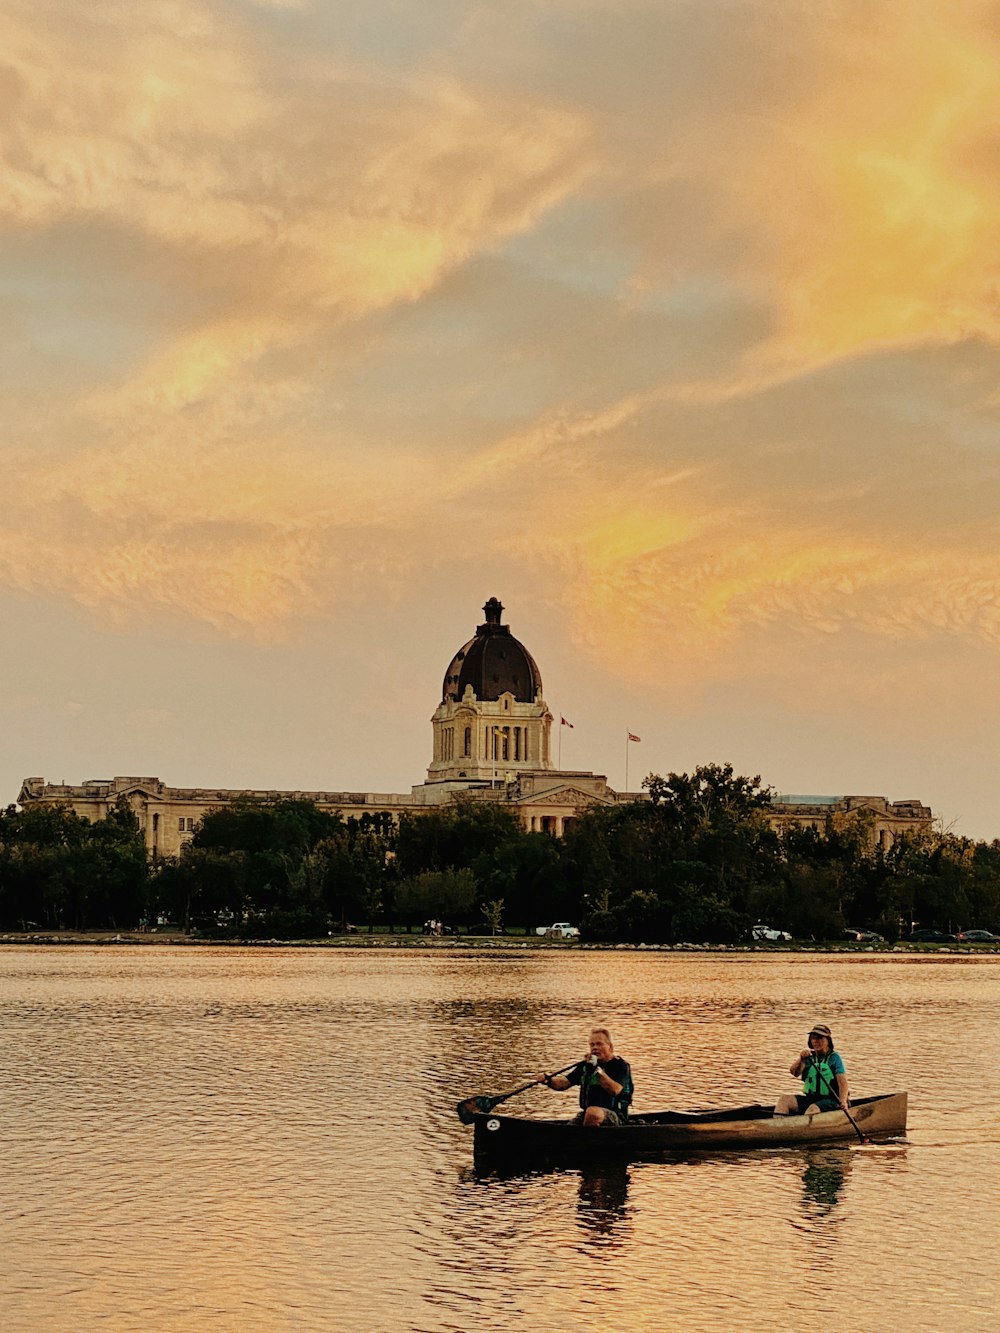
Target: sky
(674,324)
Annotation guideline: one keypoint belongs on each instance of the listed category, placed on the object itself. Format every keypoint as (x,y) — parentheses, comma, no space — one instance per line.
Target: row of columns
(491,743)
(554,824)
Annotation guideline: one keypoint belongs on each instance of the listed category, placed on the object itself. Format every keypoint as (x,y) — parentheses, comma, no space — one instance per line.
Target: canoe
(504,1136)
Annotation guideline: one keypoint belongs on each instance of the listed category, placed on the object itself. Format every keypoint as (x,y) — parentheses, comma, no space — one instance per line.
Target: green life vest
(819,1080)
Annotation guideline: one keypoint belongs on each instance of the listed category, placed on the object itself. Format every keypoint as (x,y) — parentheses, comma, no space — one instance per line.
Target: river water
(230,1139)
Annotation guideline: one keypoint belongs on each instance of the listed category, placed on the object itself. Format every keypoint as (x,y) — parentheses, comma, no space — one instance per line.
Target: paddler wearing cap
(824,1082)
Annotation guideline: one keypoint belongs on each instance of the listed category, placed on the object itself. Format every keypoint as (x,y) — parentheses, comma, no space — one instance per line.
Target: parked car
(929,937)
(978,937)
(769,933)
(560,930)
(864,936)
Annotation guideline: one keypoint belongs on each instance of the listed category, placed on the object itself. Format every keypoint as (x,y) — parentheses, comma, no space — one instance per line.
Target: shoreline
(473,944)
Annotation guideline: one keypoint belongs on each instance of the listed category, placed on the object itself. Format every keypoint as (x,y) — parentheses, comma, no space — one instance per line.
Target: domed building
(491,742)
(492,717)
(493,730)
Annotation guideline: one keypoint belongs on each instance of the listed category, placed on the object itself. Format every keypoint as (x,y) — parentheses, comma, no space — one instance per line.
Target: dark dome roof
(493,663)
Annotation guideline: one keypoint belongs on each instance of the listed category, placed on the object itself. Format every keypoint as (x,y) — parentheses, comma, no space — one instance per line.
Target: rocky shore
(468,943)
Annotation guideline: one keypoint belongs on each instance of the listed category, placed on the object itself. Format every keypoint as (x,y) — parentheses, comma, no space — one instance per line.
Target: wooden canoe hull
(509,1137)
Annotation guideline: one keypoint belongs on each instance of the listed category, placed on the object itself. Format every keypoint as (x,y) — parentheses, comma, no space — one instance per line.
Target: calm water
(229,1139)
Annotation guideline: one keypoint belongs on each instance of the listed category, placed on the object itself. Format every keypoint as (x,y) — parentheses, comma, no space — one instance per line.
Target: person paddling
(605,1082)
(824,1081)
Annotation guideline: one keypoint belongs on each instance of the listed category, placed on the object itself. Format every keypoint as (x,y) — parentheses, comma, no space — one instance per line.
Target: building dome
(493,663)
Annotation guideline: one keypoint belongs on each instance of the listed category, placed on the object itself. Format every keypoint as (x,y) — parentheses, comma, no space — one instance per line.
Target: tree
(830,877)
(695,853)
(443,895)
(493,915)
(527,873)
(355,876)
(257,860)
(454,836)
(267,827)
(59,869)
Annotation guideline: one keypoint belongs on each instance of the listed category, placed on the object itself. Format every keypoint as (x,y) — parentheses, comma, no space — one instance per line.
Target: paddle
(473,1106)
(862,1137)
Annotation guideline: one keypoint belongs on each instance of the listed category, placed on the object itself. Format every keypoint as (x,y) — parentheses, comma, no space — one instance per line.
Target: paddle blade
(473,1106)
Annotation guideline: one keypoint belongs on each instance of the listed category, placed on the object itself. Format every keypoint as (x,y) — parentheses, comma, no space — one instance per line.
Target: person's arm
(842,1093)
(557,1082)
(839,1080)
(798,1068)
(605,1080)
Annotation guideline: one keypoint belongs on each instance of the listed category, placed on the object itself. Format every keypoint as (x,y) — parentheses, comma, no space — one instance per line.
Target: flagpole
(627,734)
(560,744)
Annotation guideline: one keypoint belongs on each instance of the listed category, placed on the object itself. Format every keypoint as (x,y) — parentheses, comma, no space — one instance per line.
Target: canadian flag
(634,738)
(564,723)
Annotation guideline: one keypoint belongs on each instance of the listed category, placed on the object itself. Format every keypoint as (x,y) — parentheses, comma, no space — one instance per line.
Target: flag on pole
(634,738)
(564,723)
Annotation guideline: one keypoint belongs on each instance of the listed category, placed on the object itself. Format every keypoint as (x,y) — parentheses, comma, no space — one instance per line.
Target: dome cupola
(493,663)
(492,722)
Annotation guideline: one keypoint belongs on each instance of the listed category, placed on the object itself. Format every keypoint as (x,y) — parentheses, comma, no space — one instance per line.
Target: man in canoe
(824,1082)
(604,1080)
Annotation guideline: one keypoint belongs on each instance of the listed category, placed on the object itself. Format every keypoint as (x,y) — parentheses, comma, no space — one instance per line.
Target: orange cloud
(288,204)
(864,199)
(694,585)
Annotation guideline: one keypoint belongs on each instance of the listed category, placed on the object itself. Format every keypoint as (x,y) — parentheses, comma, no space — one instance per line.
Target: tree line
(698,861)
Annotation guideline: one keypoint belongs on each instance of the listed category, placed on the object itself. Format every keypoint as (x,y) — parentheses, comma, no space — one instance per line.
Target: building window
(467,748)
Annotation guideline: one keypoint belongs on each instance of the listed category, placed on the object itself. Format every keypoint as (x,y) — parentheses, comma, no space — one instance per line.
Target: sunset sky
(674,324)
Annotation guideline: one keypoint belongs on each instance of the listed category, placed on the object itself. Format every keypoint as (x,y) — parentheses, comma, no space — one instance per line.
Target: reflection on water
(602,1190)
(224,1139)
(603,1195)
(823,1179)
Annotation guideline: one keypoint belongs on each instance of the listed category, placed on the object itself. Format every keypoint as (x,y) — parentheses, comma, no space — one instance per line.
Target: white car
(762,932)
(561,930)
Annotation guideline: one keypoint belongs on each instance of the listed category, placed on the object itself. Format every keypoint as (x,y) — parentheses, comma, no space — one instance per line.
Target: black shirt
(593,1094)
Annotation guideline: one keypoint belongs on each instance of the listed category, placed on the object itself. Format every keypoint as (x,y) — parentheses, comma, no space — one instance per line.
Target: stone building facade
(889,818)
(492,732)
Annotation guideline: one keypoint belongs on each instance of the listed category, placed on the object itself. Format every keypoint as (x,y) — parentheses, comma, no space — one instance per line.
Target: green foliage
(683,865)
(60,871)
(493,915)
(267,828)
(527,873)
(441,895)
(697,861)
(453,836)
